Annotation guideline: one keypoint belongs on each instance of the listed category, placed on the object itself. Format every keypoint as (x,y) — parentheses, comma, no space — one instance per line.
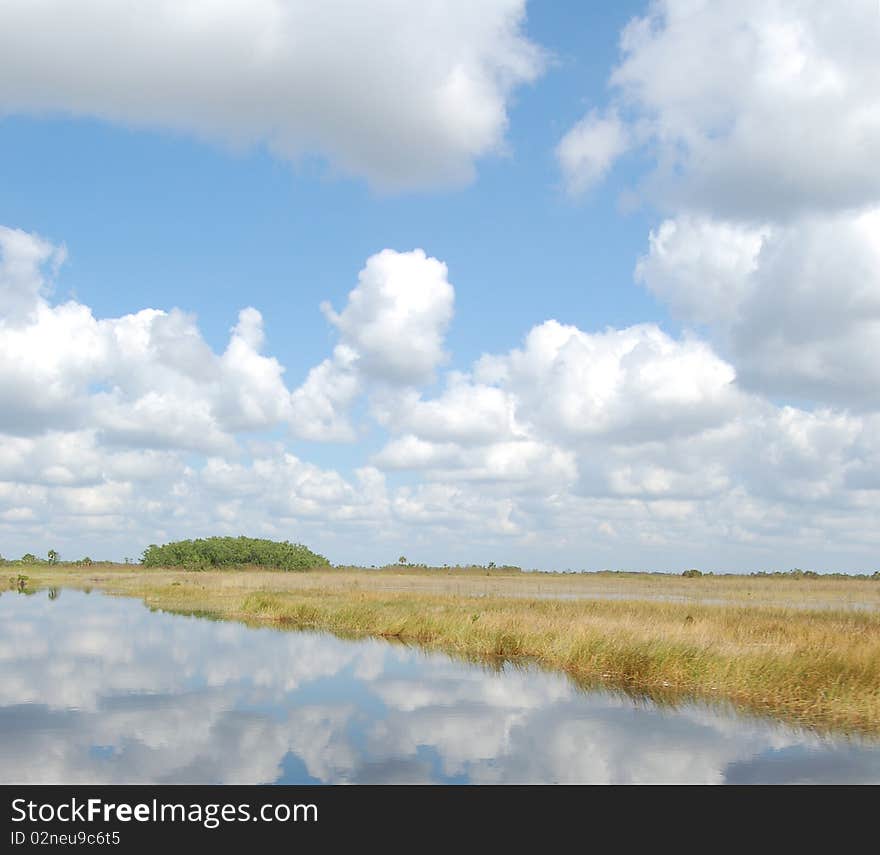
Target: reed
(817,666)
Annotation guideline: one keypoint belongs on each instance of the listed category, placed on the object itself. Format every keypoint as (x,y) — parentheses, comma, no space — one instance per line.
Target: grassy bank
(746,641)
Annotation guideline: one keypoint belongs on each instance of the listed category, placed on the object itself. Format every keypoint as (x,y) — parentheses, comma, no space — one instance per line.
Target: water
(96,689)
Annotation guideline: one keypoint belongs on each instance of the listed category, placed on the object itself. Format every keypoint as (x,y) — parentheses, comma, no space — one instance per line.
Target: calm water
(97,689)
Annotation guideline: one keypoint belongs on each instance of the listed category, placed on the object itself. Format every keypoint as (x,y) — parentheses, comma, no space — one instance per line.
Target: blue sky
(184,223)
(695,412)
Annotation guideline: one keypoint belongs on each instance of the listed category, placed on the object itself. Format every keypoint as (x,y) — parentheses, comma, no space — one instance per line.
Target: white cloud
(533,465)
(396,317)
(576,447)
(634,382)
(450,512)
(803,456)
(537,415)
(406,95)
(757,108)
(253,393)
(762,124)
(147,379)
(466,412)
(76,458)
(293,488)
(796,306)
(410,452)
(23,258)
(701,266)
(391,332)
(320,406)
(587,152)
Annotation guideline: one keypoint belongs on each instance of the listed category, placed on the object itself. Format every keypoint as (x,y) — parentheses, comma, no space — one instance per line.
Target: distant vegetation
(232,552)
(417,568)
(236,551)
(797,573)
(52,558)
(812,574)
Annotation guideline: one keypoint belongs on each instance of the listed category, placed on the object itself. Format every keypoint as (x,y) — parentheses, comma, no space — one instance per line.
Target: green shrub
(232,551)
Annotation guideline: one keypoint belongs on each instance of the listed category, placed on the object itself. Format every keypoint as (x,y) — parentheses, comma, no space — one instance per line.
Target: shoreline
(760,650)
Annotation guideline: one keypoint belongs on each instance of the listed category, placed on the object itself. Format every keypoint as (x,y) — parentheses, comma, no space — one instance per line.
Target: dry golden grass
(794,649)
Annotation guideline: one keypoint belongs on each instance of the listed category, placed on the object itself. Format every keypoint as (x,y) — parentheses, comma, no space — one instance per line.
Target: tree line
(211,552)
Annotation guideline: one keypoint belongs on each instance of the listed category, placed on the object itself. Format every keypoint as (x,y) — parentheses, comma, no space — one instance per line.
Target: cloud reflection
(98,689)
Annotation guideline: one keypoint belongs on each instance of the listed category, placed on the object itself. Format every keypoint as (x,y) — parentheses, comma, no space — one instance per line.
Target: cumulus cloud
(635,382)
(700,266)
(577,445)
(528,464)
(527,416)
(391,334)
(23,283)
(396,316)
(320,406)
(796,306)
(406,95)
(762,124)
(138,378)
(466,412)
(295,489)
(756,108)
(587,152)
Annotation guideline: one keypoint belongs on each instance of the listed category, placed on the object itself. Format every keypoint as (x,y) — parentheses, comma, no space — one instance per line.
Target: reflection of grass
(19,583)
(816,667)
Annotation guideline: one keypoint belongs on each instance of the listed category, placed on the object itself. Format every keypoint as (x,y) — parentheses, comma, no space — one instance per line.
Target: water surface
(98,689)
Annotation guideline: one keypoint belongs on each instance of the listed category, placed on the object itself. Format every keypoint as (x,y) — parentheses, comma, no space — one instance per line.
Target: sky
(561,285)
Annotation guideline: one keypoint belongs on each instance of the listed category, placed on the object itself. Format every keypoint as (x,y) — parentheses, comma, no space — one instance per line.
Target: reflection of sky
(97,689)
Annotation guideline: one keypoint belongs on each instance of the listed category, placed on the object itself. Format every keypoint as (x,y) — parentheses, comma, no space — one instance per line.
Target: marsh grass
(818,667)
